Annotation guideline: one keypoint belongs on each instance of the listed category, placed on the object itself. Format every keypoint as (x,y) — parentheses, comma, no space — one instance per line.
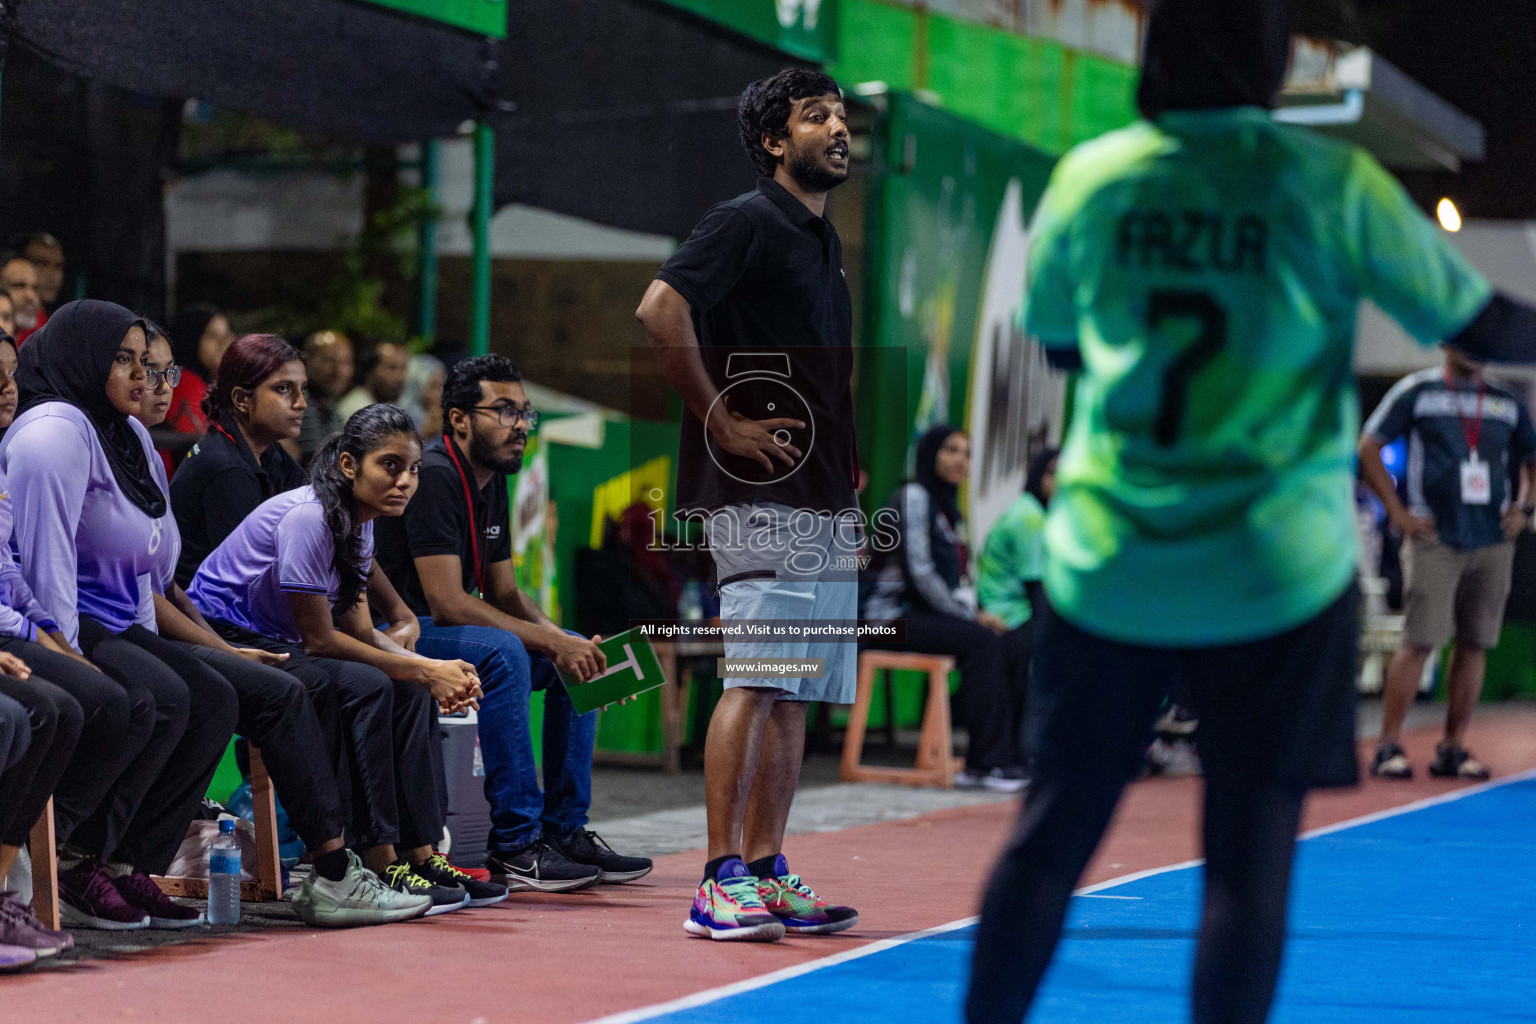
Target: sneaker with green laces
(797,906)
(360,898)
(438,871)
(401,877)
(727,908)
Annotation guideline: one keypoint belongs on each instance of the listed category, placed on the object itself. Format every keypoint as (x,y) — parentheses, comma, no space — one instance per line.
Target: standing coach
(752,323)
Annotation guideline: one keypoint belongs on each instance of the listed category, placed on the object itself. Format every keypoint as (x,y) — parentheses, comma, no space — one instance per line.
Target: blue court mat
(1425,916)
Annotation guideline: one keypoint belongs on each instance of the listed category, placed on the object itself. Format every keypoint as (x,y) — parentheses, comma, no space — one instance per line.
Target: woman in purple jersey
(296,735)
(89,519)
(291,579)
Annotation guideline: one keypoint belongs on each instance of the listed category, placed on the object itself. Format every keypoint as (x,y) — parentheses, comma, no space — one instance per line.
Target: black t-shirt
(764,277)
(217,485)
(436,522)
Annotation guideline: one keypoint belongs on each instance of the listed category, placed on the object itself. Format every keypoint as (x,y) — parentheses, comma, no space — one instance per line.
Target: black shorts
(1278,711)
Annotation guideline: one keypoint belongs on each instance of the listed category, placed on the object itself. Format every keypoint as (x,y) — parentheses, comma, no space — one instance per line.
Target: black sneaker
(1452,761)
(438,871)
(587,847)
(401,877)
(541,866)
(1390,762)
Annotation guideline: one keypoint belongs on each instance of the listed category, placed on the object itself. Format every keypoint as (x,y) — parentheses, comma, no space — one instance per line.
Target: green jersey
(1208,268)
(1013,555)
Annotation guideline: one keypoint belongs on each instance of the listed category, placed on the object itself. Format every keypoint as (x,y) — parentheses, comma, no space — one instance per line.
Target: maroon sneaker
(20,927)
(139,891)
(88,899)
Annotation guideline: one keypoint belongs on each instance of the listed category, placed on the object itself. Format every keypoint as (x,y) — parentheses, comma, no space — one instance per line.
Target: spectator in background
(328,360)
(926,581)
(45,253)
(199,335)
(1459,527)
(7,314)
(382,371)
(19,279)
(422,398)
(257,401)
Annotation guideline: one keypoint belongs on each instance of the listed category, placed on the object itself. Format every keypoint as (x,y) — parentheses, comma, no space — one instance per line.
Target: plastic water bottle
(691,605)
(224,876)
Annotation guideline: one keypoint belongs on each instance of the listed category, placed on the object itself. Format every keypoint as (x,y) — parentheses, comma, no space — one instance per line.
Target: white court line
(712,995)
(1105,896)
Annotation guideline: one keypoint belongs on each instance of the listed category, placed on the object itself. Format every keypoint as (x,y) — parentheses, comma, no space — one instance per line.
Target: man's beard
(482,452)
(26,321)
(811,175)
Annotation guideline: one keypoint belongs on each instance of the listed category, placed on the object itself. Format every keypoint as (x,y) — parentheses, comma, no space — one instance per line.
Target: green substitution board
(485,17)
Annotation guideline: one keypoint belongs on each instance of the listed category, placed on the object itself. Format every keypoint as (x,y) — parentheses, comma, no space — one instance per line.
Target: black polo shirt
(436,522)
(217,485)
(764,277)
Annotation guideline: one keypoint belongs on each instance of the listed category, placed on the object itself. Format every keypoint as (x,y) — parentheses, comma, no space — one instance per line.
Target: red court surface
(570,959)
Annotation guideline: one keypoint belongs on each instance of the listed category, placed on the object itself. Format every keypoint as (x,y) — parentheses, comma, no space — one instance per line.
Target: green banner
(805,28)
(947,239)
(485,17)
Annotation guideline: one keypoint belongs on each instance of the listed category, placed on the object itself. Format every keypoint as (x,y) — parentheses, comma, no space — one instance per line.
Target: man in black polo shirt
(450,557)
(752,323)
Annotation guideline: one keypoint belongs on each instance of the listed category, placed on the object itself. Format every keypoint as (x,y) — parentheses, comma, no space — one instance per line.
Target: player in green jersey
(1202,267)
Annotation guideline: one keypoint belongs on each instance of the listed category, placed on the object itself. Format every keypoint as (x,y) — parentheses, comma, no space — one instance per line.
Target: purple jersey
(283,547)
(20,613)
(82,543)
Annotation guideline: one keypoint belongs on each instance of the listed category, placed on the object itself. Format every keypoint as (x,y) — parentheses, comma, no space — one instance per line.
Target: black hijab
(1203,54)
(68,360)
(945,496)
(186,335)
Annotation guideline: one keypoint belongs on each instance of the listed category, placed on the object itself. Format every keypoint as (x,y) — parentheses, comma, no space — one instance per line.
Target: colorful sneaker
(20,927)
(88,899)
(587,847)
(438,871)
(140,892)
(797,905)
(16,958)
(727,908)
(1452,761)
(360,898)
(1391,763)
(401,877)
(542,867)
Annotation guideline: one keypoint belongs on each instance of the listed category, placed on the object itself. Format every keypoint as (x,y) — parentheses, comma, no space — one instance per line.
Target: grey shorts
(783,567)
(1453,591)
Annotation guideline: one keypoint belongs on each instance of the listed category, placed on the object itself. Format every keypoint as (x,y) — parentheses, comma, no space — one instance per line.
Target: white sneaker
(998,780)
(360,898)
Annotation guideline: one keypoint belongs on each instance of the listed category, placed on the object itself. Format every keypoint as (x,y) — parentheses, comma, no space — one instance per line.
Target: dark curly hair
(461,388)
(765,106)
(368,430)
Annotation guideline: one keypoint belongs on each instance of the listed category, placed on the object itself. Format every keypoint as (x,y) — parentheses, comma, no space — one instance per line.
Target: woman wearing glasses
(257,400)
(90,517)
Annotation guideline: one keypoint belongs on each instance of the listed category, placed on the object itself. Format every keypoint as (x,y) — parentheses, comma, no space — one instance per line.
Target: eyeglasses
(171,375)
(509,415)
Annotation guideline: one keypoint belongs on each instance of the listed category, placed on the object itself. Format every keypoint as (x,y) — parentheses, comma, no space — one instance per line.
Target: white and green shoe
(360,898)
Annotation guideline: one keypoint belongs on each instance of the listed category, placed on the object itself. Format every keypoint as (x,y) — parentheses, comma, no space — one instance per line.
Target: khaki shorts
(1450,591)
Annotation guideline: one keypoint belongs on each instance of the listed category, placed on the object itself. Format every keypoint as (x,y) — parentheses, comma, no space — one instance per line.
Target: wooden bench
(269,866)
(936,763)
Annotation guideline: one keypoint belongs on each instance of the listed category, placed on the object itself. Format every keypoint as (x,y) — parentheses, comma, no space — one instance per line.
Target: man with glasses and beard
(753,326)
(450,557)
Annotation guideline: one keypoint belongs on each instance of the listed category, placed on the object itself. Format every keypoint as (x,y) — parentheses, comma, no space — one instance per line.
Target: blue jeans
(509,674)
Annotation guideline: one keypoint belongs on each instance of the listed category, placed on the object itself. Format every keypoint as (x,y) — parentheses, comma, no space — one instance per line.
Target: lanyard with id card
(1476,481)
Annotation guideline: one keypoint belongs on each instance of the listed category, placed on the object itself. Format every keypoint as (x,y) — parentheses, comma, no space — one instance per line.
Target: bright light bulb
(1450,218)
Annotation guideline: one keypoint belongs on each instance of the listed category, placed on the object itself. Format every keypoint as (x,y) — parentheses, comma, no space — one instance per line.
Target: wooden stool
(936,763)
(269,865)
